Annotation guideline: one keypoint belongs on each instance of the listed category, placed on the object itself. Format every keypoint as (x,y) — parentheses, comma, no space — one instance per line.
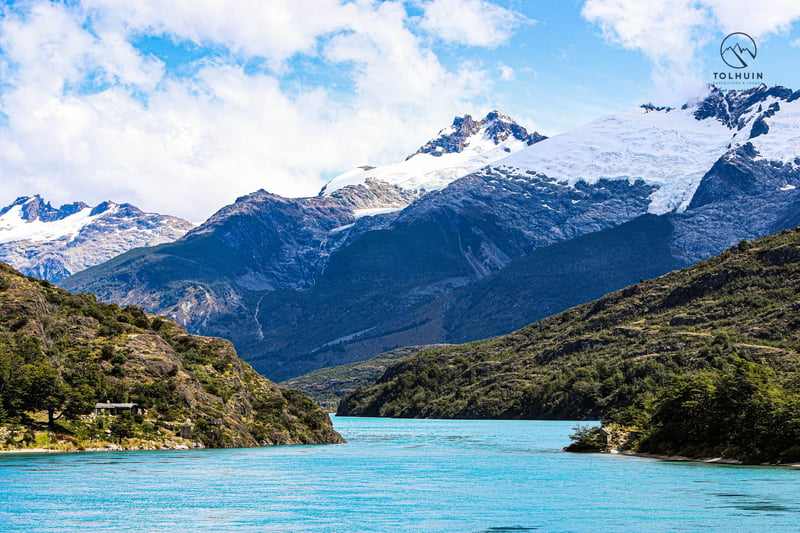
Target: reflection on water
(394,475)
(509,529)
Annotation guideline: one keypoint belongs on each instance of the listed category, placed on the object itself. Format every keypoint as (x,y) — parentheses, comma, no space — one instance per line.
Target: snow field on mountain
(13,227)
(783,139)
(670,149)
(429,172)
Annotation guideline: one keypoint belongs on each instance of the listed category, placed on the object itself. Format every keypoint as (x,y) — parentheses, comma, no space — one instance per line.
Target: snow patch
(346,338)
(342,228)
(14,228)
(359,213)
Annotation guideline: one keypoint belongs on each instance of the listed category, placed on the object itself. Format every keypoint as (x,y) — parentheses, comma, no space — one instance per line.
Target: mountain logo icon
(738,50)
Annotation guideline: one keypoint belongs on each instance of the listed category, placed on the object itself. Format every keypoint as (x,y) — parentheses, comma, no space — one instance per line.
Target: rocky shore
(623,441)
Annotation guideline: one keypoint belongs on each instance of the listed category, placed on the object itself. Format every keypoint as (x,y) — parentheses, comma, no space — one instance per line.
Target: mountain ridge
(327,280)
(53,243)
(462,148)
(608,354)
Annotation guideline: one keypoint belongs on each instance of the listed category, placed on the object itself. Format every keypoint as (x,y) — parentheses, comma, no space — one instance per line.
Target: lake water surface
(394,475)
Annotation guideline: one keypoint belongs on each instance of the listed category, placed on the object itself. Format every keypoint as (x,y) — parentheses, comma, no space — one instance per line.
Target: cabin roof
(115,405)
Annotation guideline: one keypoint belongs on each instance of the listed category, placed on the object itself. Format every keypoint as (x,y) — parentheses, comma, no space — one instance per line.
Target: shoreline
(31,450)
(41,451)
(703,460)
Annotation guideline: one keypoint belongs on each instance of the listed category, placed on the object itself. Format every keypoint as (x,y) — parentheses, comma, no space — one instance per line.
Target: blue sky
(180,107)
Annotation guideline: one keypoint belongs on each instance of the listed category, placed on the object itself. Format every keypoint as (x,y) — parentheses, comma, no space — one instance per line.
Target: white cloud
(470,22)
(666,31)
(274,29)
(506,73)
(52,50)
(756,19)
(670,33)
(91,118)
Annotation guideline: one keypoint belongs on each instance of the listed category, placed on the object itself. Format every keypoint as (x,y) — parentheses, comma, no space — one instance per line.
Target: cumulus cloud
(670,33)
(506,73)
(274,30)
(761,19)
(470,22)
(86,115)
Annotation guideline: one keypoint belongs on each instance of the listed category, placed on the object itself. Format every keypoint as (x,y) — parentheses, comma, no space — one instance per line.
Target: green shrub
(123,427)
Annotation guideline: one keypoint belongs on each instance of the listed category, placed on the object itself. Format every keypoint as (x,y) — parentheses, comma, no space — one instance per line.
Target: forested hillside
(61,354)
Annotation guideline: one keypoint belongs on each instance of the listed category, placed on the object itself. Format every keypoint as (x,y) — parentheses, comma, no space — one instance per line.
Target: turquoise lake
(394,475)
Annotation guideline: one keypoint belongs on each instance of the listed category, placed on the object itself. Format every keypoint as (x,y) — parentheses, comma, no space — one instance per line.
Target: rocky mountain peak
(451,140)
(36,208)
(499,127)
(32,208)
(729,107)
(19,201)
(495,127)
(467,145)
(104,207)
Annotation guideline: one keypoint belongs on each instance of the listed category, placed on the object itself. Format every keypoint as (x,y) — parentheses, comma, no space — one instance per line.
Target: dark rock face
(375,194)
(740,173)
(760,127)
(535,137)
(463,127)
(729,107)
(499,128)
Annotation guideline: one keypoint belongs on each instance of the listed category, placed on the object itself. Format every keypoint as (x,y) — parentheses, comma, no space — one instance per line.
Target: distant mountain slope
(300,284)
(327,386)
(61,354)
(616,352)
(50,243)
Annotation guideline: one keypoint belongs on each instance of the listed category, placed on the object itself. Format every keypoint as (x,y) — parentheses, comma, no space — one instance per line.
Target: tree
(45,389)
(12,387)
(742,414)
(84,383)
(123,427)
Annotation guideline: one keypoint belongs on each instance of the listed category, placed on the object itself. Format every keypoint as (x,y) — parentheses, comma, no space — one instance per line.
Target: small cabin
(115,409)
(606,436)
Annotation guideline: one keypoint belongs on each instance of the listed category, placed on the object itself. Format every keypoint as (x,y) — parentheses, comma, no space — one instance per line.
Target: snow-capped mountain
(298,284)
(671,149)
(464,147)
(42,241)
